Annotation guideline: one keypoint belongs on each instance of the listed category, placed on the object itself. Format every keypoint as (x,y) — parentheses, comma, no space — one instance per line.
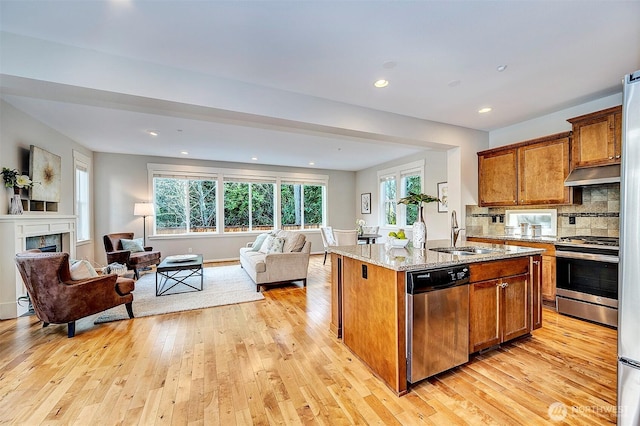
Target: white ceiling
(439,56)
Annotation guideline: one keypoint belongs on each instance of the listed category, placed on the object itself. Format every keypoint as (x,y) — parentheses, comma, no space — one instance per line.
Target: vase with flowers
(15,180)
(419,227)
(360,223)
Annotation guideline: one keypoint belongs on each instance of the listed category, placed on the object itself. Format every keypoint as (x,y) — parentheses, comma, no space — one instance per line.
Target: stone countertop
(409,259)
(544,240)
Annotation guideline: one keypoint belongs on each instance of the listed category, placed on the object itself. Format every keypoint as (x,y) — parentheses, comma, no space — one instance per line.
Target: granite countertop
(408,259)
(544,239)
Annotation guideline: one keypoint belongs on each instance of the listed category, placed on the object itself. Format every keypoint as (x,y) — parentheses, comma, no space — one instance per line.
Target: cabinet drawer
(498,269)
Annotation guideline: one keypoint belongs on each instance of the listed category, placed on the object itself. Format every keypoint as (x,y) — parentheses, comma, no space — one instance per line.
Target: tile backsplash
(598,215)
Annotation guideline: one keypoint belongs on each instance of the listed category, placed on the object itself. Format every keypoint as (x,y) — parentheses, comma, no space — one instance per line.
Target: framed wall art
(443,195)
(365,203)
(45,169)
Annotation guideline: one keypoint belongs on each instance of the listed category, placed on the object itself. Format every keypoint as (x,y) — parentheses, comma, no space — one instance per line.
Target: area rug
(223,285)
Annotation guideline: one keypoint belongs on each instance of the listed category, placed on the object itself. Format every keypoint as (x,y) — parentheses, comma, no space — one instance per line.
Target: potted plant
(14,179)
(419,227)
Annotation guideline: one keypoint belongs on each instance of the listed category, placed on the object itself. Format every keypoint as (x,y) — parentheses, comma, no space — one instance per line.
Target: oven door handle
(588,256)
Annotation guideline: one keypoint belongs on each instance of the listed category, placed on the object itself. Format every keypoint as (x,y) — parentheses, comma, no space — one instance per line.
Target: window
(389,202)
(192,199)
(184,205)
(248,206)
(82,202)
(401,180)
(302,205)
(411,184)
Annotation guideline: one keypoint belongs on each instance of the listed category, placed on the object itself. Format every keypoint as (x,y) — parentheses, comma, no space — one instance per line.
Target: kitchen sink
(463,251)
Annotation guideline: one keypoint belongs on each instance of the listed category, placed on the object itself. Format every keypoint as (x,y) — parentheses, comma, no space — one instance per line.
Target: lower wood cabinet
(500,302)
(498,310)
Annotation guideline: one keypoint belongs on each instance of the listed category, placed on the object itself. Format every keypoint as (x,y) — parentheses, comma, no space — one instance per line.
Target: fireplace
(45,243)
(19,233)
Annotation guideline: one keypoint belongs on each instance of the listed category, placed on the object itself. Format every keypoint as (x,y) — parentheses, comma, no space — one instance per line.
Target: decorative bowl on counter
(396,242)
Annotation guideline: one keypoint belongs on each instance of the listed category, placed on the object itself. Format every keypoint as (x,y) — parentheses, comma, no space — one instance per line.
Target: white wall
(435,171)
(549,124)
(17,132)
(122,180)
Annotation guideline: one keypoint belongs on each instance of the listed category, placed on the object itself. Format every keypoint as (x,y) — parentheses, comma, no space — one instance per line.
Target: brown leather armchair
(57,299)
(133,260)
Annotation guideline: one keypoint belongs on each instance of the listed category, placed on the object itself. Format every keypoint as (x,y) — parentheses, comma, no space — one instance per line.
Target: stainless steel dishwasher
(437,321)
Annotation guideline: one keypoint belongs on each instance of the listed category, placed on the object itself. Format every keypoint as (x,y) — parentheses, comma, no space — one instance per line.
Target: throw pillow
(259,241)
(272,245)
(132,245)
(266,244)
(275,245)
(81,270)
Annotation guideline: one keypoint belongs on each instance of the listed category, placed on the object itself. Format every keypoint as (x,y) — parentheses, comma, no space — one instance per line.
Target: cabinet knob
(610,158)
(617,156)
(535,262)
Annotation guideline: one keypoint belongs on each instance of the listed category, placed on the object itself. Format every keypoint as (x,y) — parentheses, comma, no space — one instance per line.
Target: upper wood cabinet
(597,138)
(498,177)
(527,173)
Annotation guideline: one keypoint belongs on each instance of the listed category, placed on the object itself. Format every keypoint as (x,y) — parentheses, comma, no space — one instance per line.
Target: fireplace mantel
(14,230)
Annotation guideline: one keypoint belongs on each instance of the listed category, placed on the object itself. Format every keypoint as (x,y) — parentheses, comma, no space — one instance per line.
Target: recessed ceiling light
(381,83)
(184,152)
(153,132)
(454,83)
(389,64)
(501,68)
(311,163)
(254,158)
(484,110)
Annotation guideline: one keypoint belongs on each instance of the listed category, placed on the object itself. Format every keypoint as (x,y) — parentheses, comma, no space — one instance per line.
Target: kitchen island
(369,299)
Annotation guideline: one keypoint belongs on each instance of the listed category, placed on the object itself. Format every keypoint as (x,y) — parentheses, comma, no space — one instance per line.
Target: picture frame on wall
(45,170)
(365,203)
(443,195)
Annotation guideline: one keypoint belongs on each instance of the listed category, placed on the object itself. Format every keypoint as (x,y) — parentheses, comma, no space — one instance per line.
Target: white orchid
(361,222)
(23,181)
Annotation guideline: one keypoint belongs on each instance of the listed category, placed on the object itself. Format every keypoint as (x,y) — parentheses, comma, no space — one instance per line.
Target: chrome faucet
(455,230)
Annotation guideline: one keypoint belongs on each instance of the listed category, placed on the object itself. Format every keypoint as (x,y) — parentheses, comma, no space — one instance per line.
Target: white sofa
(275,268)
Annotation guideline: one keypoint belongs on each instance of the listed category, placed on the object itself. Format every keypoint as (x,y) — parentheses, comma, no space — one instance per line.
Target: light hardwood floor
(275,362)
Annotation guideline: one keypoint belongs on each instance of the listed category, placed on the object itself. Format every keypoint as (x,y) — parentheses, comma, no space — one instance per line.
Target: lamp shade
(143,209)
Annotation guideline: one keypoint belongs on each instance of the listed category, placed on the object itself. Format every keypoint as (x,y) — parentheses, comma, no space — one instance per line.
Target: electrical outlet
(572,220)
(501,218)
(494,219)
(190,250)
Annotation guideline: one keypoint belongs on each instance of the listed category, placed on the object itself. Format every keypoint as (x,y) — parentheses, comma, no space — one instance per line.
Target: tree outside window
(411,185)
(301,206)
(184,205)
(389,200)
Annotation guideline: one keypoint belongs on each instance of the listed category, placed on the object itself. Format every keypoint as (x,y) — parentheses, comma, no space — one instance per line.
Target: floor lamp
(144,210)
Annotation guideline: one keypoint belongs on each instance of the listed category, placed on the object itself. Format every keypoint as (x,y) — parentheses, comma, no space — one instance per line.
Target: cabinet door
(484,314)
(549,278)
(543,168)
(515,307)
(498,178)
(596,138)
(535,296)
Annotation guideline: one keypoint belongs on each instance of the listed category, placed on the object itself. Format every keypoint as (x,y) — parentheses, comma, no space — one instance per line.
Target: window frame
(239,175)
(399,173)
(84,163)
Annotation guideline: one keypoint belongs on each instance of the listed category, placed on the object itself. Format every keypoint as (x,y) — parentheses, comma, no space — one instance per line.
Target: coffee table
(176,270)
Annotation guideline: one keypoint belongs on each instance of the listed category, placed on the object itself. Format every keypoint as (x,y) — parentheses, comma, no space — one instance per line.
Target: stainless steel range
(587,278)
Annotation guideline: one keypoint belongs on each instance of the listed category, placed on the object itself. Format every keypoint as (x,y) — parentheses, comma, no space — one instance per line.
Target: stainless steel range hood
(594,176)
